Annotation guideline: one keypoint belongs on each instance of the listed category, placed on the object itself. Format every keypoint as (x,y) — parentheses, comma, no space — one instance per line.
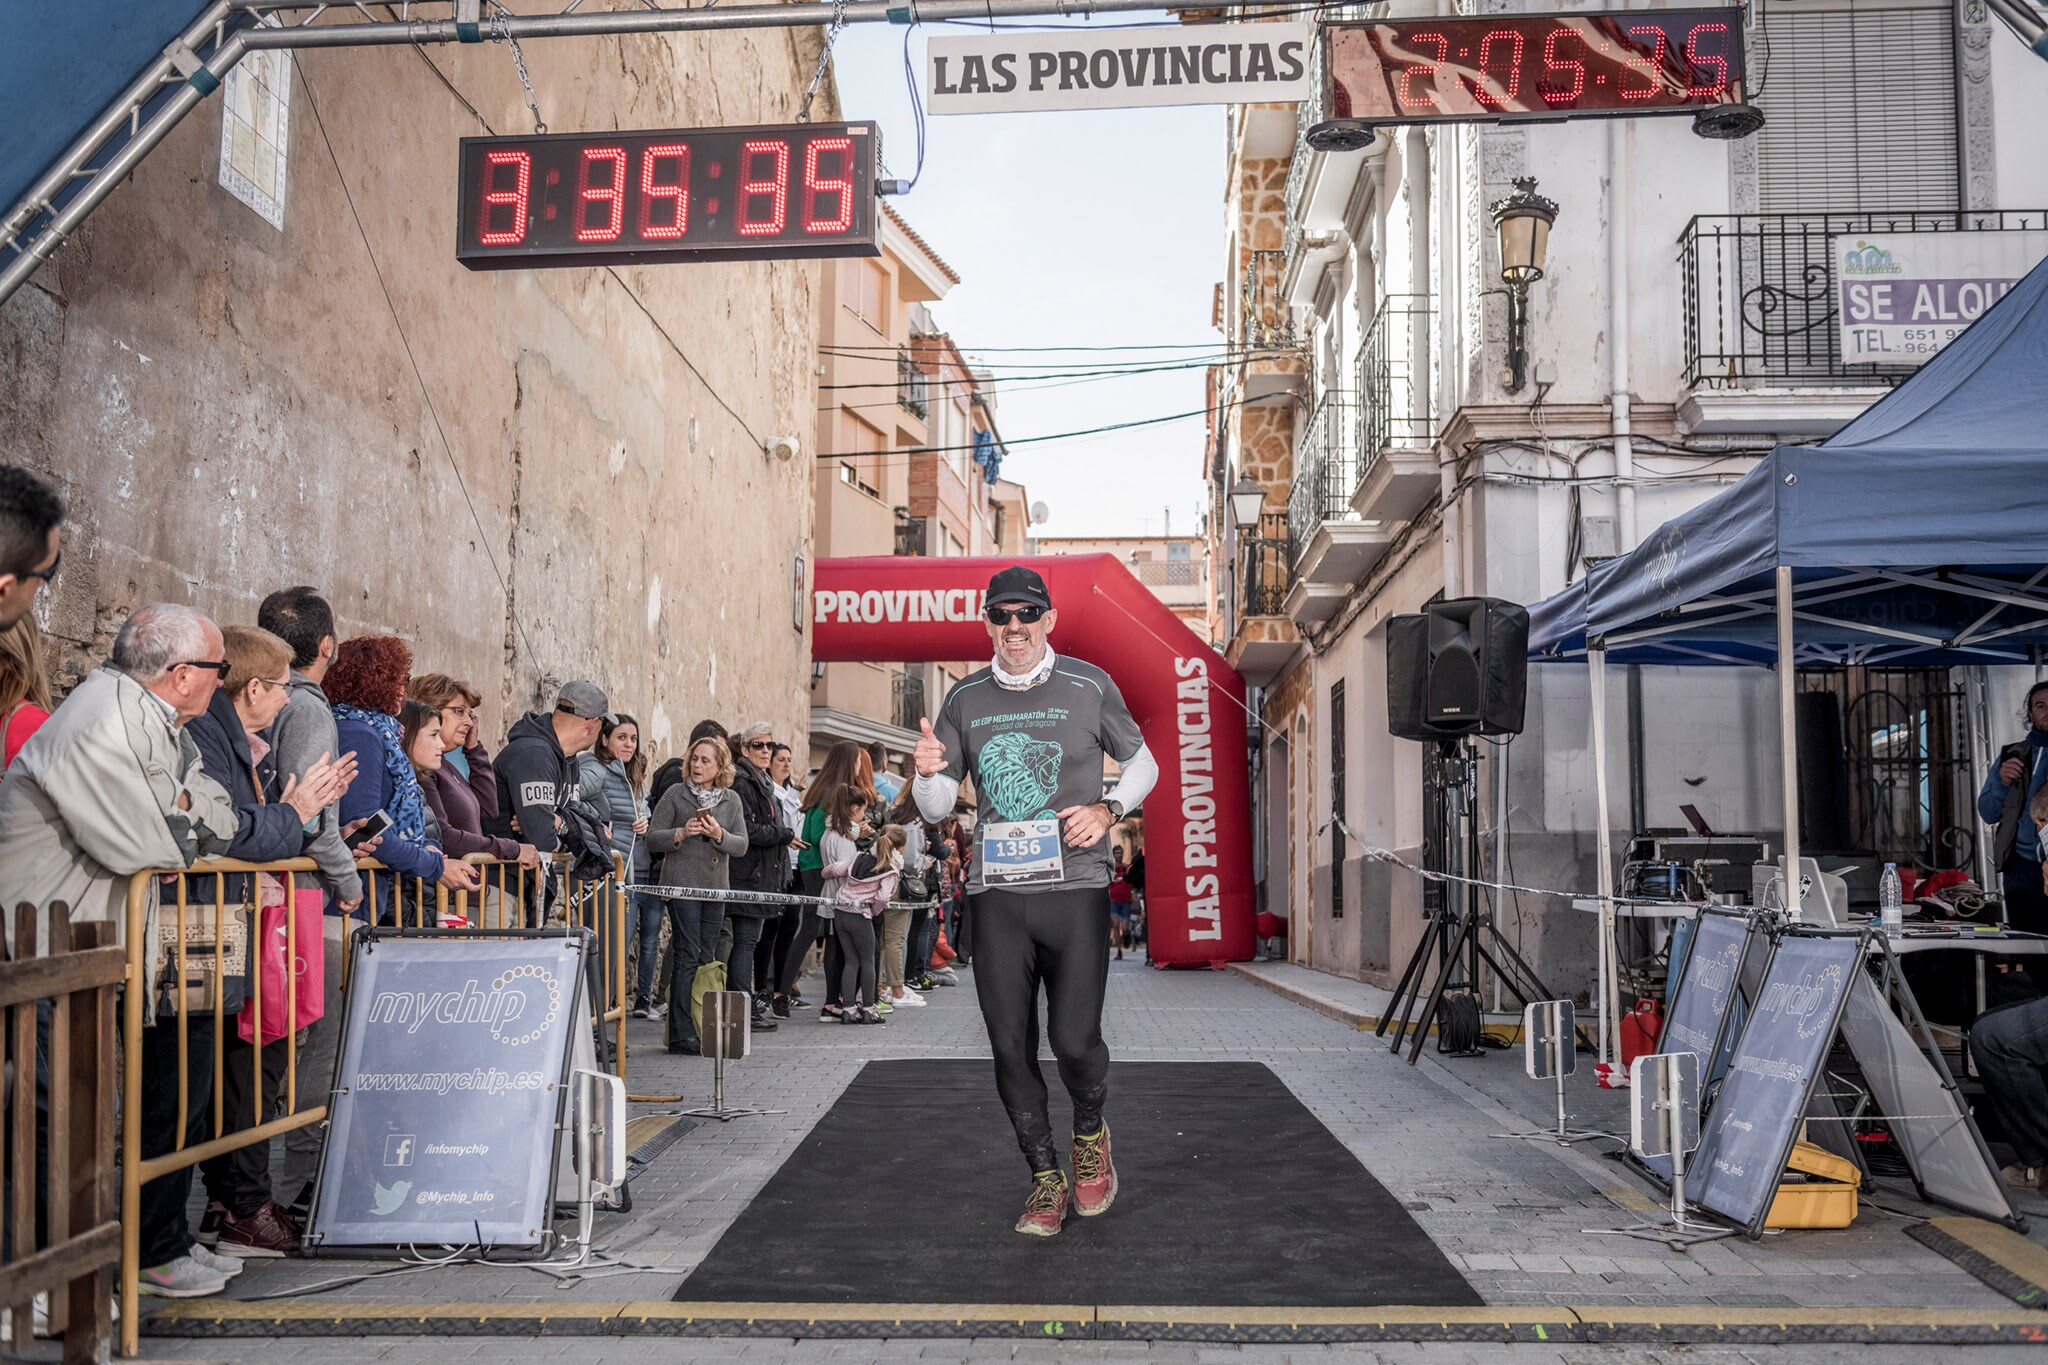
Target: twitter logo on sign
(390,1198)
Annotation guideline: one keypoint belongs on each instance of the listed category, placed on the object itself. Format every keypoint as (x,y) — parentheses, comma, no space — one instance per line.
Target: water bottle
(1889,908)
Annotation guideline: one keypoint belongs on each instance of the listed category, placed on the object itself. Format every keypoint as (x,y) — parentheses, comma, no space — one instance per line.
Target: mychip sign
(448,1089)
(1118,69)
(1902,296)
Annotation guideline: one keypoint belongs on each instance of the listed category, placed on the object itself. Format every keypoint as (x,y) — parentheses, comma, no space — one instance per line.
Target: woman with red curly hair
(366,684)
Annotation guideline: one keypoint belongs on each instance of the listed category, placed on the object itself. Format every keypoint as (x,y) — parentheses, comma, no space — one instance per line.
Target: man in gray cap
(536,773)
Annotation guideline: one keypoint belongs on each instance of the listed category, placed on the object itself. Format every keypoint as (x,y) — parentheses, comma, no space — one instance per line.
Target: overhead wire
(1036,440)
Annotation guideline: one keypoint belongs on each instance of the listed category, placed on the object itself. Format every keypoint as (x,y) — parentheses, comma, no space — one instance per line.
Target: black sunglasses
(1002,616)
(219,666)
(48,575)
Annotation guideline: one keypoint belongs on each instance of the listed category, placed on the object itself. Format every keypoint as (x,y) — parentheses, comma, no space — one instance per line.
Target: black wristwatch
(1115,809)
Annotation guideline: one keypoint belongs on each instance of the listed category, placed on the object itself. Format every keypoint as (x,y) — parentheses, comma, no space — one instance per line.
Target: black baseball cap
(1018,584)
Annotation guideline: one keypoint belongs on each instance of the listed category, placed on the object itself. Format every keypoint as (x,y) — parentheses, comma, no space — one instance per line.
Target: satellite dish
(1726,122)
(1339,135)
(1040,513)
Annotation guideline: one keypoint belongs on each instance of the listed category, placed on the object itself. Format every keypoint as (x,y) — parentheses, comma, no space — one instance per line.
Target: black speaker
(1459,667)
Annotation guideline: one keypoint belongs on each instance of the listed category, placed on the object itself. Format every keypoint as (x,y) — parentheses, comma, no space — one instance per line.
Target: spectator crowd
(280,740)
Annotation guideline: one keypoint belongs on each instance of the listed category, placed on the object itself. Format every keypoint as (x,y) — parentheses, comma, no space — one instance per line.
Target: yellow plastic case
(1819,1191)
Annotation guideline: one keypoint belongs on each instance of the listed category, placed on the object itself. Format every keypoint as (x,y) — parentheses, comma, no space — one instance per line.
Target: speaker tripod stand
(1456,937)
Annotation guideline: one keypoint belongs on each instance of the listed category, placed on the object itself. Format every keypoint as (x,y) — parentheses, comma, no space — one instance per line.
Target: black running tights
(1061,939)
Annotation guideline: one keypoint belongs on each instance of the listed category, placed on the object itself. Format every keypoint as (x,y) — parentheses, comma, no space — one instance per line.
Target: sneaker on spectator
(229,1266)
(182,1278)
(909,999)
(639,1010)
(209,1226)
(880,1007)
(829,1013)
(268,1232)
(779,1007)
(658,1011)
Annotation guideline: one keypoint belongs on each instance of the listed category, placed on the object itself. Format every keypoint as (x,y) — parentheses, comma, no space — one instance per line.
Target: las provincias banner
(998,73)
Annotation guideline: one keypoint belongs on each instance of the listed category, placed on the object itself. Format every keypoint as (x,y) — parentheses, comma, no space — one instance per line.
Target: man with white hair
(111,786)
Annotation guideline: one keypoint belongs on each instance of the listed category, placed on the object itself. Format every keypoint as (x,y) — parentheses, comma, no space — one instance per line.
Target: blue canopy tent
(1918,534)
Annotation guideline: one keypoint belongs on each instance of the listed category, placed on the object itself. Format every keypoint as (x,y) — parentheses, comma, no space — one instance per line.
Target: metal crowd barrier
(182,952)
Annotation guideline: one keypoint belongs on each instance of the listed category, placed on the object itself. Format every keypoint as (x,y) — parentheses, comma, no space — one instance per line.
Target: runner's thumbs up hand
(929,755)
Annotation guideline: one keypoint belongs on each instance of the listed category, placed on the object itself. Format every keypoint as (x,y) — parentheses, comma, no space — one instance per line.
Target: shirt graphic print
(1038,751)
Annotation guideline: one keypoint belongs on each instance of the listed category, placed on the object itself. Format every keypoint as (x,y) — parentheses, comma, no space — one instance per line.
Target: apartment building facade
(1683,325)
(1175,569)
(910,464)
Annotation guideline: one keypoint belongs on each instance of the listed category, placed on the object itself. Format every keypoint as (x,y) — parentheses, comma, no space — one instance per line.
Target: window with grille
(1337,799)
(1861,106)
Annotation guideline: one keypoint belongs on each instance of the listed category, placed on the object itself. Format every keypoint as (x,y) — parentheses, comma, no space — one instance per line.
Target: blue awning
(63,65)
(1917,534)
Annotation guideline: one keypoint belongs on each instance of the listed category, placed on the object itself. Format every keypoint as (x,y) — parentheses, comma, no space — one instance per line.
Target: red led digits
(841,185)
(1484,88)
(652,192)
(1719,84)
(1650,67)
(1554,62)
(775,188)
(514,198)
(613,195)
(1409,96)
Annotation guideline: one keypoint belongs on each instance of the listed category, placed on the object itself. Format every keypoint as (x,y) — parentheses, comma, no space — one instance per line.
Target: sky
(1081,228)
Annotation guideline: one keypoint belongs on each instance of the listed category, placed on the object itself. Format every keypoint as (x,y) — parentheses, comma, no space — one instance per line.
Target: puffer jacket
(602,783)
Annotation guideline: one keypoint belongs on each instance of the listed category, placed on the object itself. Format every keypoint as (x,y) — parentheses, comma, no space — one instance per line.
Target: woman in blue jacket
(366,684)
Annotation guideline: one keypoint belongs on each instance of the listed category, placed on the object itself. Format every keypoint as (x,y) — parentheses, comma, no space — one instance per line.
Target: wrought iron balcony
(907,694)
(1325,469)
(1760,293)
(1268,567)
(913,385)
(1264,320)
(1397,409)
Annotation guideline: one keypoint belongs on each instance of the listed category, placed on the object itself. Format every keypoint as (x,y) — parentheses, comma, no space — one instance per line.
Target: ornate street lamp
(1247,503)
(1522,221)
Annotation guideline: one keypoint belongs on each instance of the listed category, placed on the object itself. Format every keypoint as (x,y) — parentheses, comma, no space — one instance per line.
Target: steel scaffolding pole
(192,78)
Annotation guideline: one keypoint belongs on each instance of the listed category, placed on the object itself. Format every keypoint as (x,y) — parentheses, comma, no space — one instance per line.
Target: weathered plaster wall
(230,408)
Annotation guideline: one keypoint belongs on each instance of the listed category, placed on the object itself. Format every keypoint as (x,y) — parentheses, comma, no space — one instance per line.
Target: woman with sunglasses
(764,867)
(1032,729)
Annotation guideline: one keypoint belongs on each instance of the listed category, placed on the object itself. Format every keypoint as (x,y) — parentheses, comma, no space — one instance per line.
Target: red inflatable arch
(1187,700)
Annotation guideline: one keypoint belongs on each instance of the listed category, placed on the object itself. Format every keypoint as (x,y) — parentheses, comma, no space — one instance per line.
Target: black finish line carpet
(1232,1193)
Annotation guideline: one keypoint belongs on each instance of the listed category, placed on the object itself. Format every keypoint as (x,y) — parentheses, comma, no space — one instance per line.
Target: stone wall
(572,484)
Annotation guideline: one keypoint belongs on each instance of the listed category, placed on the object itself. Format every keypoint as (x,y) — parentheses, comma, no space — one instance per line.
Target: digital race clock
(693,194)
(1510,67)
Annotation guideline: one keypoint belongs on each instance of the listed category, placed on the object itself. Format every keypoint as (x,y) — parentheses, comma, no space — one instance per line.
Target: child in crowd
(859,886)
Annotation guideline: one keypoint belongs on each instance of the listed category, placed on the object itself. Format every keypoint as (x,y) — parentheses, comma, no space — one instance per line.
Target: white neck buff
(1017,682)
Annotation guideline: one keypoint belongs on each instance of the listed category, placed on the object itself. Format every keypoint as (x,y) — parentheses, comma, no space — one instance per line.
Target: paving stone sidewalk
(1512,1215)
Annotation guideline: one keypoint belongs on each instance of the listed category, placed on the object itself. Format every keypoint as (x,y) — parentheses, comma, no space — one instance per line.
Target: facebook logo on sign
(398,1149)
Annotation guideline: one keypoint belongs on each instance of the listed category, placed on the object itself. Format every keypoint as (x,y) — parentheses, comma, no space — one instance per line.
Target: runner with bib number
(1032,729)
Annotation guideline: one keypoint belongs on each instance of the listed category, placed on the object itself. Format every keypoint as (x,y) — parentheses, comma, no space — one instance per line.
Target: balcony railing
(907,694)
(1396,404)
(1268,567)
(1307,114)
(1167,573)
(913,385)
(1262,306)
(1760,292)
(1325,469)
